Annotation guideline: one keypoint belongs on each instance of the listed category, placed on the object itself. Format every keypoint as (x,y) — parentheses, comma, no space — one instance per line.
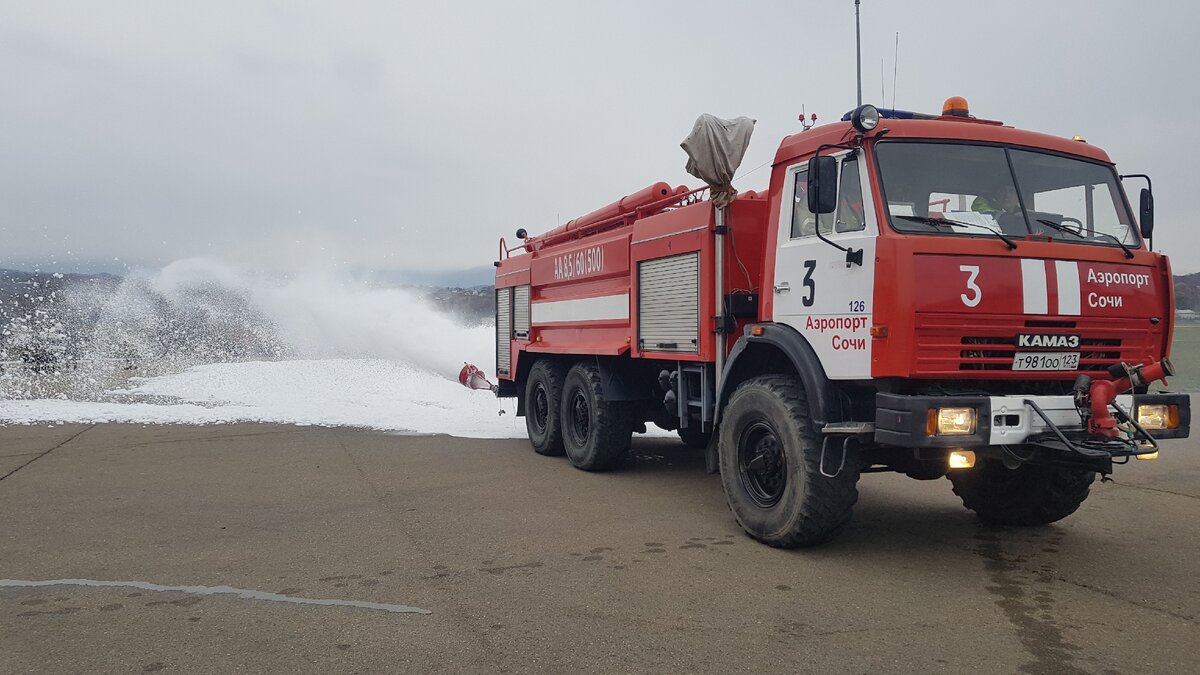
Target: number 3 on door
(809,285)
(972,288)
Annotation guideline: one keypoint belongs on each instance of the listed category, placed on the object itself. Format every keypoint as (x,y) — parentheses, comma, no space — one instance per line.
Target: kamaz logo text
(1036,340)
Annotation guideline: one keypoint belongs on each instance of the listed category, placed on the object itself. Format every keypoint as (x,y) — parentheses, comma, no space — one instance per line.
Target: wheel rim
(541,407)
(581,418)
(762,464)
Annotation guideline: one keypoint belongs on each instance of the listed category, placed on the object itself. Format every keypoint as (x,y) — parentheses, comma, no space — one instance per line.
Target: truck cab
(992,259)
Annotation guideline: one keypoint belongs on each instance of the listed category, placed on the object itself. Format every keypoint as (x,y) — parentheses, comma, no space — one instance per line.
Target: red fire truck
(936,295)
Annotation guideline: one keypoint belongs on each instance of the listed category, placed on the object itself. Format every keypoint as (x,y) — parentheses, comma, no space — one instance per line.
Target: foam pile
(366,393)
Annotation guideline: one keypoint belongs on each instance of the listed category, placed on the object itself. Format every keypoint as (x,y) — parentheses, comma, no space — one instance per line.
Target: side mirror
(822,185)
(1147,213)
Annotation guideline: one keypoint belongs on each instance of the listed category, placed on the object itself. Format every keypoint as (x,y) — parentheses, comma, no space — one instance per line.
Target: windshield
(956,188)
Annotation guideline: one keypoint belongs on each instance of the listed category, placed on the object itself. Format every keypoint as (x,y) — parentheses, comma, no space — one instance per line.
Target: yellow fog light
(955,421)
(1158,417)
(962,459)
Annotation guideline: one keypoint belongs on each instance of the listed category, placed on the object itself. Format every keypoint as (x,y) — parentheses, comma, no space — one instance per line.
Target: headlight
(950,422)
(865,117)
(1157,417)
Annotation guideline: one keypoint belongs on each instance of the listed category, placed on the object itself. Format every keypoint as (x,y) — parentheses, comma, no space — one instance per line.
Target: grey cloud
(385,134)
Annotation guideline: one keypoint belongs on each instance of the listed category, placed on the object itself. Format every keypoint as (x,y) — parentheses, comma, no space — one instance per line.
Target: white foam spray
(199,341)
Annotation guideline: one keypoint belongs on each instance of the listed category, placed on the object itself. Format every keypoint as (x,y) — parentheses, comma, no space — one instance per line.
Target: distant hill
(46,317)
(21,289)
(464,278)
(1187,292)
(18,276)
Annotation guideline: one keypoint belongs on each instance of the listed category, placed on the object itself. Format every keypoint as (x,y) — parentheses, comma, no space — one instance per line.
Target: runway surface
(525,564)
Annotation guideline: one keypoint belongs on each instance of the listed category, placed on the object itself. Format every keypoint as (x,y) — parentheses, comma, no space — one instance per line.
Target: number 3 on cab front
(974,294)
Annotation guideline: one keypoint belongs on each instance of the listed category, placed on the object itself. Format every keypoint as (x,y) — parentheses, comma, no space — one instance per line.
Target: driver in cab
(1004,207)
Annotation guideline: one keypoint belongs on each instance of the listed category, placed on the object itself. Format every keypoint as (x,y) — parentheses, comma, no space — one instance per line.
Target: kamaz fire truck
(935,295)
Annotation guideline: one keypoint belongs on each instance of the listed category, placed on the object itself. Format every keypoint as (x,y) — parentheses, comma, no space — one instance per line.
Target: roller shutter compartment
(669,304)
(521,312)
(503,330)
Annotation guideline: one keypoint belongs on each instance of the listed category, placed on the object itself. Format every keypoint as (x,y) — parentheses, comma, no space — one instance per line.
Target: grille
(1092,352)
(946,344)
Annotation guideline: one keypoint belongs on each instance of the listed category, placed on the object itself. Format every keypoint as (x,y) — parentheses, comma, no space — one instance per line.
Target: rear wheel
(1027,495)
(770,458)
(596,431)
(543,391)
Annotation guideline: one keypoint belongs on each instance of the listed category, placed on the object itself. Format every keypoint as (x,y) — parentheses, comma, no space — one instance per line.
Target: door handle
(782,287)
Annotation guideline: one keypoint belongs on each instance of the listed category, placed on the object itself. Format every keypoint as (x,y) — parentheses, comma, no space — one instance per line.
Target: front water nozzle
(472,377)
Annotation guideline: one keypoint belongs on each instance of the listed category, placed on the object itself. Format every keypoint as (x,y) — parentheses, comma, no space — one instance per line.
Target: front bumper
(1002,420)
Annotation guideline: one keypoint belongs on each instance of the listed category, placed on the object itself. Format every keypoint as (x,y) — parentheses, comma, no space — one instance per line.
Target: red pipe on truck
(1103,392)
(627,205)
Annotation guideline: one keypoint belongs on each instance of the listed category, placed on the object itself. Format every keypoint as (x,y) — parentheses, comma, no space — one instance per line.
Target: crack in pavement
(43,454)
(244,593)
(1115,596)
(1150,489)
(210,439)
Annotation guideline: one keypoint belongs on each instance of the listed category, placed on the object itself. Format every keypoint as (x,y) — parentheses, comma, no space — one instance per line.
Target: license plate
(1046,361)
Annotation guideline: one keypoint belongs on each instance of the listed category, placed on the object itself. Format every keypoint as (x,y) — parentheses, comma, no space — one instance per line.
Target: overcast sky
(399,135)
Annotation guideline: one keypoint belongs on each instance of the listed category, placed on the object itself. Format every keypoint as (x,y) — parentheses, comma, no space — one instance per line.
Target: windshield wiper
(946,221)
(1053,225)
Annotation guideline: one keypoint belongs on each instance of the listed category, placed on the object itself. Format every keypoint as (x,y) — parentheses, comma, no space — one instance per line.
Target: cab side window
(802,219)
(850,217)
(804,222)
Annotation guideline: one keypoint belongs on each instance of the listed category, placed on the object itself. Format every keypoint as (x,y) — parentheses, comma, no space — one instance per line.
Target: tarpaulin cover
(715,149)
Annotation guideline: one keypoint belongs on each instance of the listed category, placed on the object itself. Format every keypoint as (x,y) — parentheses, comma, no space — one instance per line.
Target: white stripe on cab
(1067,272)
(1033,286)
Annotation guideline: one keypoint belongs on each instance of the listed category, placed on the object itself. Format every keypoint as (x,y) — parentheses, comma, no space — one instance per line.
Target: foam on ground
(365,393)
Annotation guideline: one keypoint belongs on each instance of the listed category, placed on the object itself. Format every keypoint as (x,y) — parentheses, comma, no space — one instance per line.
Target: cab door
(828,301)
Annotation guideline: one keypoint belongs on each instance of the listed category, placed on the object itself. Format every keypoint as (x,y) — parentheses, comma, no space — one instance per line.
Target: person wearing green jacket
(1002,202)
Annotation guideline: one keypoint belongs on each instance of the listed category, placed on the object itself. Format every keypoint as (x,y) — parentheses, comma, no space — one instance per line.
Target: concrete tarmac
(528,565)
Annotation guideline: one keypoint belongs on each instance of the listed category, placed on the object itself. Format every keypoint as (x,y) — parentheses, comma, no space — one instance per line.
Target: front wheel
(770,458)
(1027,495)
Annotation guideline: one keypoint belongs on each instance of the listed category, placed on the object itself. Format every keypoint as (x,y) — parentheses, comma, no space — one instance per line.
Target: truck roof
(945,128)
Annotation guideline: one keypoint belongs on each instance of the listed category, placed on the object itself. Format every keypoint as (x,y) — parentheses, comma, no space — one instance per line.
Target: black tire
(1027,495)
(596,432)
(543,393)
(693,437)
(770,456)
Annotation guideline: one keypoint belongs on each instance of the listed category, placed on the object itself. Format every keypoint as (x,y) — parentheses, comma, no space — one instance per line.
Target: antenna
(858,49)
(882,84)
(895,67)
